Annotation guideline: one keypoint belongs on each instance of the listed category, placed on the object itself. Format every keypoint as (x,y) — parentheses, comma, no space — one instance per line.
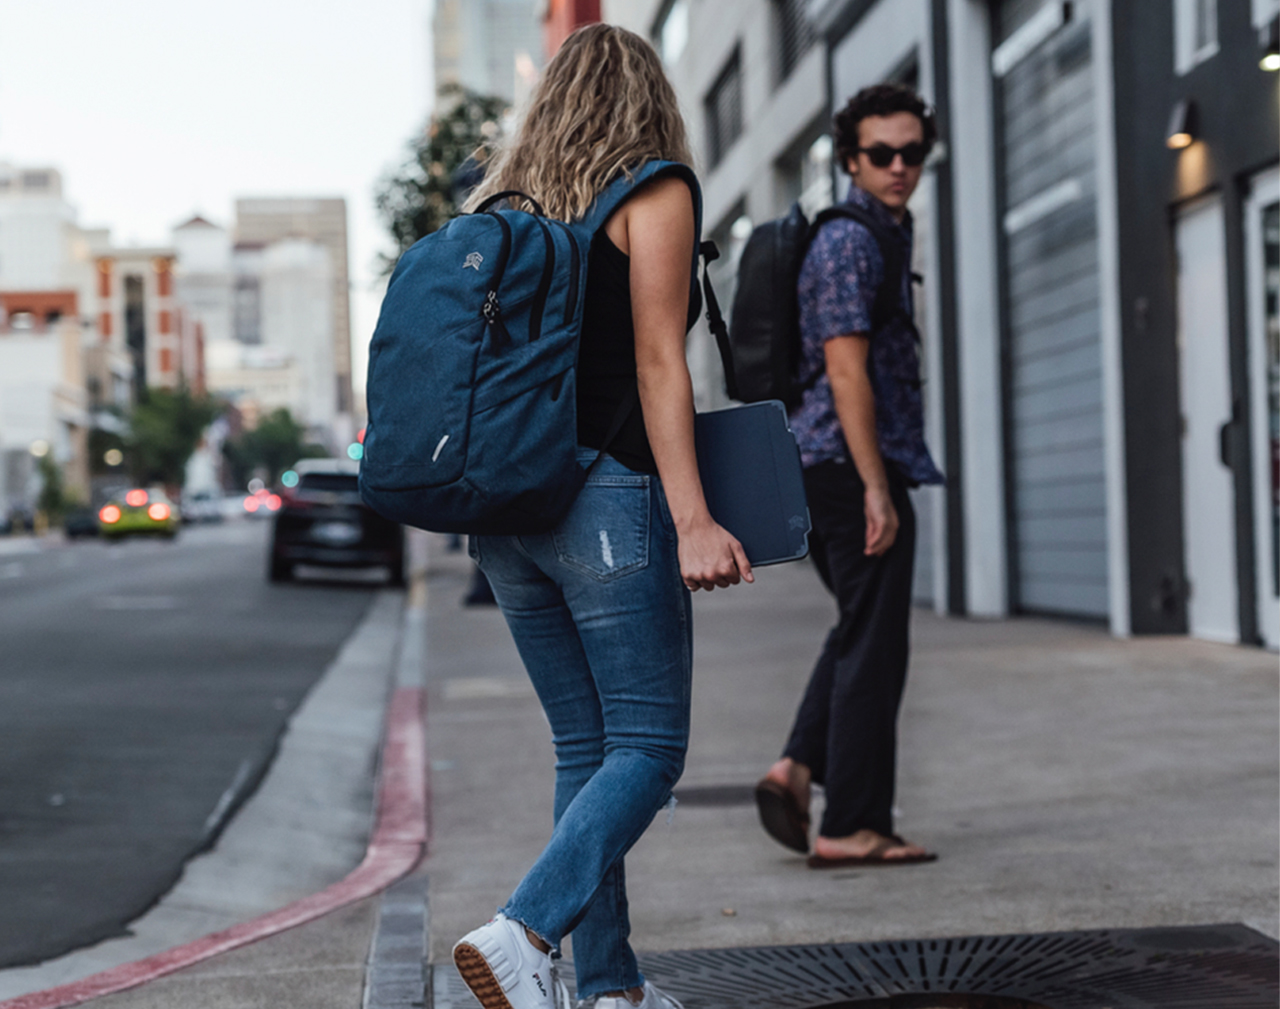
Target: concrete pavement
(1067,779)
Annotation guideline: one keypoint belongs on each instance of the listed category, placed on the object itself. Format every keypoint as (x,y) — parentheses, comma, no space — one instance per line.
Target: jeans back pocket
(606,533)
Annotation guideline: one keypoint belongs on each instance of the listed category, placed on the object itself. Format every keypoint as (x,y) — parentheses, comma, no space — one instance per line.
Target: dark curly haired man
(860,428)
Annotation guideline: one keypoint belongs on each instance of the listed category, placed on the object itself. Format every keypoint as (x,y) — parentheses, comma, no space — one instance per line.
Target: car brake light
(109,514)
(251,504)
(136,498)
(158,511)
(273,502)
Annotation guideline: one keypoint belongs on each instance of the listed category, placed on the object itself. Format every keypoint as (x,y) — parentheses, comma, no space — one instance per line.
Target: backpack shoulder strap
(885,302)
(610,199)
(624,186)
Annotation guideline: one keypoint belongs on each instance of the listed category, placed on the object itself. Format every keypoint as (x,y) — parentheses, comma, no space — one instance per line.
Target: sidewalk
(1068,781)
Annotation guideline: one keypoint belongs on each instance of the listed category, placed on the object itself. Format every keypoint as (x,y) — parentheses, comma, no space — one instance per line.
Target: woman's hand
(710,557)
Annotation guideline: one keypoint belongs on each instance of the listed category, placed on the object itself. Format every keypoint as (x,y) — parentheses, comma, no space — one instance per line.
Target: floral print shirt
(841,273)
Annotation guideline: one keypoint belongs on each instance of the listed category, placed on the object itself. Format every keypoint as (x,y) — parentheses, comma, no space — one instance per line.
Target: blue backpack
(472,396)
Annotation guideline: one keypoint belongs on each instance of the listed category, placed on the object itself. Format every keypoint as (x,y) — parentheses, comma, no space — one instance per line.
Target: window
(723,107)
(1195,32)
(793,35)
(804,173)
(671,31)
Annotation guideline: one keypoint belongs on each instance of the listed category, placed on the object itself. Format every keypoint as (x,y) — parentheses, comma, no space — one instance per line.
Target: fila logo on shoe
(541,987)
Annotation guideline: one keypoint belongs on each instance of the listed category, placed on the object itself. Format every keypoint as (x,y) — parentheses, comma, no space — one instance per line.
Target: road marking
(135,603)
(398,842)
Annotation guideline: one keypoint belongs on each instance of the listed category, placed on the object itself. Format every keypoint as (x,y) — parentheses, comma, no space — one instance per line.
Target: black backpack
(762,352)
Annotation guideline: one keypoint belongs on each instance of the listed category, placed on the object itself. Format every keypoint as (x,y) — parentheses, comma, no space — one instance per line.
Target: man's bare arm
(856,407)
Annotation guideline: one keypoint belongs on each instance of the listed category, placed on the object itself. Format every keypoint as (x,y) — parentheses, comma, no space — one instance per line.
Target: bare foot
(867,844)
(795,778)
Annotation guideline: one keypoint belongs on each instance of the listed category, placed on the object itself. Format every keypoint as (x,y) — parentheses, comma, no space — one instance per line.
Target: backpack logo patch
(473,260)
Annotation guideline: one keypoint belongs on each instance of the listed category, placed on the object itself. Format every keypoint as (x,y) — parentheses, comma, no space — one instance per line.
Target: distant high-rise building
(323,221)
(493,47)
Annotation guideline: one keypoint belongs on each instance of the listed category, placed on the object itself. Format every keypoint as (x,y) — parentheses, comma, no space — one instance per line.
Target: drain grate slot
(1191,967)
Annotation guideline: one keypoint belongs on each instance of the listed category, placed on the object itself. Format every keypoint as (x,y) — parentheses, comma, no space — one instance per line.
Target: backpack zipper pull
(492,312)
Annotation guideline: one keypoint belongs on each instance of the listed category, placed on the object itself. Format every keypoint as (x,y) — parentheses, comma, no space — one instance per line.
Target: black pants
(846,729)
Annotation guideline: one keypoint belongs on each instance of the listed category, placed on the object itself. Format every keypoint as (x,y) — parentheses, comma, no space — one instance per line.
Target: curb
(398,842)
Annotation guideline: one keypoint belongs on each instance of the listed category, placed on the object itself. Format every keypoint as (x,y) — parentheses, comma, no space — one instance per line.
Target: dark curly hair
(879,100)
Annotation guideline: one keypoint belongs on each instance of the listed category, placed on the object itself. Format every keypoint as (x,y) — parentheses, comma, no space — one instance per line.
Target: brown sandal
(875,857)
(781,815)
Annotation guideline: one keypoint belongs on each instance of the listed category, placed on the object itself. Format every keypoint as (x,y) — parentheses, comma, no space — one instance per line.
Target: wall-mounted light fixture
(1271,57)
(1182,125)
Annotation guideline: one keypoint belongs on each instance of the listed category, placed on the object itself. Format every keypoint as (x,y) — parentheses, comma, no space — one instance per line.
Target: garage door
(1054,436)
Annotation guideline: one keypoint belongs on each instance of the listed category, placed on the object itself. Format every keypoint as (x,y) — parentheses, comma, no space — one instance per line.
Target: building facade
(1097,229)
(44,402)
(323,221)
(491,47)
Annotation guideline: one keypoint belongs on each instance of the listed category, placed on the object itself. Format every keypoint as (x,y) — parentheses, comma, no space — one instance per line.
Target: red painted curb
(399,838)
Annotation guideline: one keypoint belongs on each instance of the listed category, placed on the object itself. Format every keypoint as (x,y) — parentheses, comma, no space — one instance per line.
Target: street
(145,686)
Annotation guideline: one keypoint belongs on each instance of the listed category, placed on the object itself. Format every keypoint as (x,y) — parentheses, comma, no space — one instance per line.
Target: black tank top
(607,356)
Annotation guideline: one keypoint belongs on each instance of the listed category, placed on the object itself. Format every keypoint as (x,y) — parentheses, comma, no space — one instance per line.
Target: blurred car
(138,512)
(80,522)
(323,521)
(262,503)
(18,518)
(202,506)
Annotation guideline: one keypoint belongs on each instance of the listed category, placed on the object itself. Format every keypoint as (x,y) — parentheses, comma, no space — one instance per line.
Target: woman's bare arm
(655,228)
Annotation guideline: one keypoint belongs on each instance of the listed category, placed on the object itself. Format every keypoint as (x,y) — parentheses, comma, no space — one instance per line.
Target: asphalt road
(143,689)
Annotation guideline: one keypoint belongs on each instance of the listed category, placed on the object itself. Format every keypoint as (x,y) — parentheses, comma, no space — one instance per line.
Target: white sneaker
(504,970)
(654,998)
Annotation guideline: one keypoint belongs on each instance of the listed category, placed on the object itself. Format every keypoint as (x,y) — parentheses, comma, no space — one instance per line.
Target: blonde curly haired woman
(600,607)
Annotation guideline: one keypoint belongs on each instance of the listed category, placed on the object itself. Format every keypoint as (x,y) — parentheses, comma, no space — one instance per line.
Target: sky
(155,110)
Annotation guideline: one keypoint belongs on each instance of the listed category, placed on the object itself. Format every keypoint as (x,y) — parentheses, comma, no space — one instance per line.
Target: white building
(1098,229)
(751,78)
(41,247)
(203,276)
(43,407)
(297,320)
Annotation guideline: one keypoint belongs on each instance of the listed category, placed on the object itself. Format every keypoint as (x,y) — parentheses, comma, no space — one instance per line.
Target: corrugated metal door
(1053,364)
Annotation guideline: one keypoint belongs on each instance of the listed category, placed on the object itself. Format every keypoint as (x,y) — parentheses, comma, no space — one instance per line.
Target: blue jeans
(603,622)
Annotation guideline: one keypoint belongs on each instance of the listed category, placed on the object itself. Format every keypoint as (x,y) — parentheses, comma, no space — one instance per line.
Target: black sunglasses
(882,155)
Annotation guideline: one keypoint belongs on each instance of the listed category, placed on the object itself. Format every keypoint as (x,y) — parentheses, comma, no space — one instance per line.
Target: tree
(445,162)
(274,445)
(53,499)
(164,429)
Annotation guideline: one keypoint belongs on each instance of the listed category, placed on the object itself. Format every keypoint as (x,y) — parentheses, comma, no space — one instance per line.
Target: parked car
(80,522)
(138,512)
(202,506)
(323,521)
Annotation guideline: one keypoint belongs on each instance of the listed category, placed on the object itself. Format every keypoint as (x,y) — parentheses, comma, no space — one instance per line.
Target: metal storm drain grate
(1190,967)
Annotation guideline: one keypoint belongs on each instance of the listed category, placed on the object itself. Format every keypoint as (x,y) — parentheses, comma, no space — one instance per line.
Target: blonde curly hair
(603,107)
